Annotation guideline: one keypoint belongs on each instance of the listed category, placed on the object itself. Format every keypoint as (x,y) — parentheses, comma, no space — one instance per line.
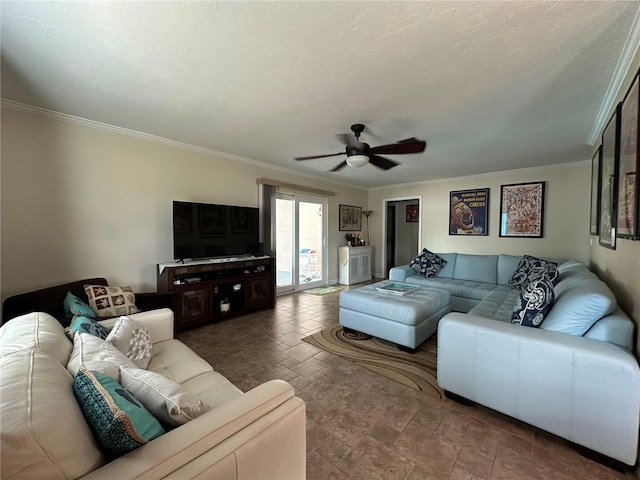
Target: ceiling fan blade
(339,166)
(318,156)
(382,162)
(410,145)
(350,140)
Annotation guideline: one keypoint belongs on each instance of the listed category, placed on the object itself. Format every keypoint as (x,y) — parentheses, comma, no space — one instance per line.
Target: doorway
(301,227)
(402,234)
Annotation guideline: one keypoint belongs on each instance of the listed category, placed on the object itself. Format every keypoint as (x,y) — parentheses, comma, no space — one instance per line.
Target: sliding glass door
(300,242)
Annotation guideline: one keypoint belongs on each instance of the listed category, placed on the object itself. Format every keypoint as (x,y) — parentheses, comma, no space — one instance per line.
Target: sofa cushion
(175,360)
(96,354)
(531,269)
(132,339)
(119,421)
(447,269)
(80,323)
(533,303)
(497,305)
(212,388)
(457,288)
(577,309)
(476,268)
(74,306)
(507,265)
(35,330)
(427,264)
(167,400)
(109,301)
(43,434)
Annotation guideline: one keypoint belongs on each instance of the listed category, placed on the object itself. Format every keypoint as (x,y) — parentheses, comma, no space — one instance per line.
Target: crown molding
(622,68)
(64,117)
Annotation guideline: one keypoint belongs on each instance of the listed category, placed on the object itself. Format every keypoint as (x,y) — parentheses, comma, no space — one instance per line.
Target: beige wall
(620,268)
(565,219)
(82,202)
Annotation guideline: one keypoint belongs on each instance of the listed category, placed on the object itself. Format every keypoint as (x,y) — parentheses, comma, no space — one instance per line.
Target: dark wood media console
(248,285)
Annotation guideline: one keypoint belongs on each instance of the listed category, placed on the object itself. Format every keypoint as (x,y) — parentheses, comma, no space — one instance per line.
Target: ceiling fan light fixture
(357,160)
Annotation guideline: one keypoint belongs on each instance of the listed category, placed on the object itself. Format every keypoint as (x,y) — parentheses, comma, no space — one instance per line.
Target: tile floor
(363,426)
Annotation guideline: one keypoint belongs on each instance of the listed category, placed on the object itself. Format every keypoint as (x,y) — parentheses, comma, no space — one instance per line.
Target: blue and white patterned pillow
(83,324)
(427,263)
(119,421)
(531,269)
(533,303)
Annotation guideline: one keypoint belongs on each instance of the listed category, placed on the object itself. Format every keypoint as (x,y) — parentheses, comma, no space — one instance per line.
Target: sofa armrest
(159,323)
(261,434)
(584,390)
(399,274)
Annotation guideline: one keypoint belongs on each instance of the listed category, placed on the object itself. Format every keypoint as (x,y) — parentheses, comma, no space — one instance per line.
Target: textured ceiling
(490,86)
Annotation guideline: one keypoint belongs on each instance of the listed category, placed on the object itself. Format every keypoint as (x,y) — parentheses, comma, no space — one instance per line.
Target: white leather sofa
(252,435)
(575,376)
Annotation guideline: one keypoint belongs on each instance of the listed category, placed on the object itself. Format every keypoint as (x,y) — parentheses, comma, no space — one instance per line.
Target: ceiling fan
(360,153)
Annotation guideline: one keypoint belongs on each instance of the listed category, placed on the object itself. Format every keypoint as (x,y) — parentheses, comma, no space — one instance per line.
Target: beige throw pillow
(167,400)
(111,301)
(132,339)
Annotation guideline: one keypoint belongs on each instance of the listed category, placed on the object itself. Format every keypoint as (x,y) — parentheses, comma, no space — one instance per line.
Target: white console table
(355,265)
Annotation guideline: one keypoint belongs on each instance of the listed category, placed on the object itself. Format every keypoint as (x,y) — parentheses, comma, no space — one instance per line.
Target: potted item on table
(225,305)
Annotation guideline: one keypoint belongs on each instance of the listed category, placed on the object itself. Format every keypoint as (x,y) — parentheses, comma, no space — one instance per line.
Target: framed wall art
(609,181)
(469,212)
(522,210)
(594,223)
(627,204)
(350,218)
(413,213)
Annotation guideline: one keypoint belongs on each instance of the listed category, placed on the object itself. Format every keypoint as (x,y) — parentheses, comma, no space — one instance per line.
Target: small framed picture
(522,210)
(469,212)
(350,218)
(413,213)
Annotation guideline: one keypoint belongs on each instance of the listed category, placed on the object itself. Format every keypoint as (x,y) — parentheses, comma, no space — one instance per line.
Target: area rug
(323,290)
(417,370)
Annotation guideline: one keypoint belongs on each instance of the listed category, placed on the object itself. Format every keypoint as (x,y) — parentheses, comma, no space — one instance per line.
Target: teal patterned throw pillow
(74,306)
(82,324)
(118,420)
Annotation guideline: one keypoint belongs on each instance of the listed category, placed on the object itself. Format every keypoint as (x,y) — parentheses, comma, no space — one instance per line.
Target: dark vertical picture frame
(609,180)
(594,227)
(629,162)
(469,212)
(412,213)
(522,210)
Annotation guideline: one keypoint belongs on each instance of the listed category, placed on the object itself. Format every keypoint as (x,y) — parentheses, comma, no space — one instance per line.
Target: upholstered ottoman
(407,320)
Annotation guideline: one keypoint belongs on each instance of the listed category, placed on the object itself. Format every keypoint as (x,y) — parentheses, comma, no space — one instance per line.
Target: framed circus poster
(627,204)
(609,180)
(522,210)
(469,212)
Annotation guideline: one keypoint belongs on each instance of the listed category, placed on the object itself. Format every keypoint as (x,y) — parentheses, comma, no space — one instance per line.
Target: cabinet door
(194,304)
(260,288)
(365,265)
(354,267)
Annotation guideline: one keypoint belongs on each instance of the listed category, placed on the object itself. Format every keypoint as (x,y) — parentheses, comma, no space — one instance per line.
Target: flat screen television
(206,230)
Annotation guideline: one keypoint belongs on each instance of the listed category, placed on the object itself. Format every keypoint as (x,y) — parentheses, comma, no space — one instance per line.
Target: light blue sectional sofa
(575,376)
